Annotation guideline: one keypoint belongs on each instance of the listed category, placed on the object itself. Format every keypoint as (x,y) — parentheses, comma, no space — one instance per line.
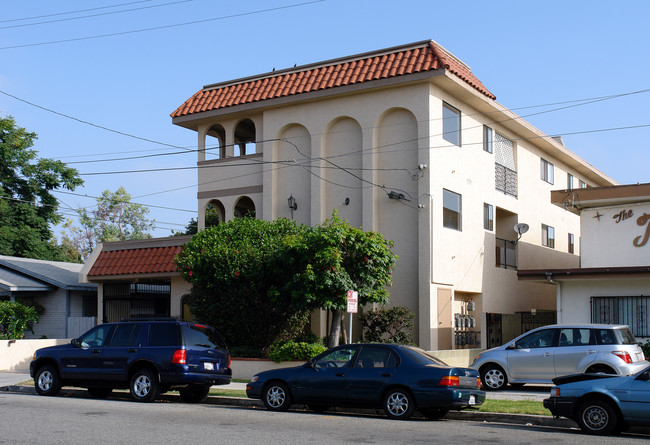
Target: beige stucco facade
(346,149)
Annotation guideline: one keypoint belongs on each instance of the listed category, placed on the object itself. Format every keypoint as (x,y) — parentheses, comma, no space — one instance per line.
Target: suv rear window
(164,334)
(627,337)
(202,336)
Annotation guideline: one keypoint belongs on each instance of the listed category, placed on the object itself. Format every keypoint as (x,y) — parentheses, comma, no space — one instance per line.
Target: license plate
(208,366)
(472,400)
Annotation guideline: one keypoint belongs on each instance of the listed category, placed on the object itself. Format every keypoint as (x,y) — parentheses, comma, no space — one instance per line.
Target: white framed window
(569,181)
(487,139)
(451,210)
(583,184)
(548,236)
(451,124)
(572,246)
(546,170)
(488,216)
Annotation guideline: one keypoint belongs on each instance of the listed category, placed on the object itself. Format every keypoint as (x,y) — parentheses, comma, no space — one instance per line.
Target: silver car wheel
(494,378)
(397,404)
(142,386)
(276,396)
(45,380)
(595,417)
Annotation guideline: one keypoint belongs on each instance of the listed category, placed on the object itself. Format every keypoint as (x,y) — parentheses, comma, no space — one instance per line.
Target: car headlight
(254,379)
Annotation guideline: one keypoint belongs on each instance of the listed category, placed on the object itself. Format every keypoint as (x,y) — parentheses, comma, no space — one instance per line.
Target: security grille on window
(505,167)
(548,236)
(451,212)
(451,124)
(546,171)
(631,311)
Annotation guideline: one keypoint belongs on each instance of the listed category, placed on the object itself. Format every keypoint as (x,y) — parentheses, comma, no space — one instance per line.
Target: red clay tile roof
(408,59)
(135,261)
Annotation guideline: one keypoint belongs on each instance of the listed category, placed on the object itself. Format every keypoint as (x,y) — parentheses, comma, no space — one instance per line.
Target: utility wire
(72,12)
(156,28)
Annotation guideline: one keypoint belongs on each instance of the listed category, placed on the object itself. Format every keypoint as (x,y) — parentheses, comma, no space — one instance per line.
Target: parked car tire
(434,413)
(100,393)
(318,408)
(493,377)
(144,386)
(597,417)
(399,404)
(47,381)
(194,395)
(276,397)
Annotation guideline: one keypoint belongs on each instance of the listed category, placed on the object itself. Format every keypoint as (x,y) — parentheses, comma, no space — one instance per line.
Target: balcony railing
(506,254)
(505,180)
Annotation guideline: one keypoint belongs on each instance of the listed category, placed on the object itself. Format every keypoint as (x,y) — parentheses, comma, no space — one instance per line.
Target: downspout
(67,311)
(558,295)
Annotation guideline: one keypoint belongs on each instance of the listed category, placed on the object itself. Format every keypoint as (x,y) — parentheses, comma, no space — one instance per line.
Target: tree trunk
(335,331)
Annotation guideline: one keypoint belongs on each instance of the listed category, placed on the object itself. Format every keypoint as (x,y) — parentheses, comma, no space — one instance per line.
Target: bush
(394,325)
(245,352)
(15,319)
(646,348)
(291,350)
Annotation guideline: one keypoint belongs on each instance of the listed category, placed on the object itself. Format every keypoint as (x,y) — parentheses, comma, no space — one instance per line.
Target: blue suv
(147,356)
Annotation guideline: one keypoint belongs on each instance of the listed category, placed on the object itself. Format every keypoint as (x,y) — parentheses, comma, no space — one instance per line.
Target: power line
(72,12)
(131,202)
(93,15)
(156,28)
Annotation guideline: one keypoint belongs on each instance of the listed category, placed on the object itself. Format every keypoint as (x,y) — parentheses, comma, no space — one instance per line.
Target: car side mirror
(75,342)
(511,346)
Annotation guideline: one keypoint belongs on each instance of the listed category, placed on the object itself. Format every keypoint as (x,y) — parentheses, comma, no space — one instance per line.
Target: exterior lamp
(293,205)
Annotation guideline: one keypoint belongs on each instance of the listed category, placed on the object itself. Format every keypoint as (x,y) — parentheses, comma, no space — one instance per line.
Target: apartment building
(405,141)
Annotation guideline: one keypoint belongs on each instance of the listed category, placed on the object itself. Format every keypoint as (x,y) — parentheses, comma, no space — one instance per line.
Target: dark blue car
(602,404)
(400,379)
(147,356)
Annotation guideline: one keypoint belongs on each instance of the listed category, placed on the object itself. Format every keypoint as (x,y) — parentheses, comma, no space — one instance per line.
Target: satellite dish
(521,228)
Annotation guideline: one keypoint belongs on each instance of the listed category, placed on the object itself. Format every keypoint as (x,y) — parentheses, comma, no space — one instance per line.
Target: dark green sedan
(397,378)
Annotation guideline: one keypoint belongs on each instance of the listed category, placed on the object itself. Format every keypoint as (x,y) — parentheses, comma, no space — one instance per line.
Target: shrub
(393,325)
(291,350)
(15,319)
(646,348)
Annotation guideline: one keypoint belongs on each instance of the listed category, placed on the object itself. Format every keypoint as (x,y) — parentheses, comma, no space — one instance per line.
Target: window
(376,357)
(547,171)
(548,236)
(576,337)
(338,358)
(488,217)
(539,339)
(487,139)
(583,185)
(569,181)
(125,335)
(571,243)
(632,311)
(450,124)
(451,212)
(164,334)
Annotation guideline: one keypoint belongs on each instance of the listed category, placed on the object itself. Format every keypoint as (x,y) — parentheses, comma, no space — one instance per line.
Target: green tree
(27,207)
(190,229)
(339,257)
(116,219)
(241,274)
(15,319)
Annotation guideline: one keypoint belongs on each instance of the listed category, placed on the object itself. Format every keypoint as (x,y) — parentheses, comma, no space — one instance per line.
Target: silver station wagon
(540,355)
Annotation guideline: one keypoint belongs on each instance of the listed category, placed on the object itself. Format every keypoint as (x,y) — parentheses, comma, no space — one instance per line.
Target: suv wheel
(144,386)
(194,395)
(596,417)
(493,378)
(47,381)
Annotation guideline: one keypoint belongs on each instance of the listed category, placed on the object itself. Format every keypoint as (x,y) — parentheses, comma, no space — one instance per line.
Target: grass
(514,407)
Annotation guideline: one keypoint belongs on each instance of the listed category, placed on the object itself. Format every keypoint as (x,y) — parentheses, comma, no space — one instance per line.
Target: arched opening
(215,213)
(215,143)
(245,208)
(186,311)
(245,138)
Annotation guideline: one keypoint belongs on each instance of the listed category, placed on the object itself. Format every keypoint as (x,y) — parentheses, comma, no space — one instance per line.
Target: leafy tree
(190,229)
(27,207)
(15,319)
(241,273)
(388,325)
(116,219)
(338,258)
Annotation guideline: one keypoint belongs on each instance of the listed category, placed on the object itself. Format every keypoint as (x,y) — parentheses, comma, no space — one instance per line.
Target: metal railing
(505,180)
(632,311)
(506,254)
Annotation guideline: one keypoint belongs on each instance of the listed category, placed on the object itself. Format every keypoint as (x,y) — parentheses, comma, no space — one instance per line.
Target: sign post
(353,304)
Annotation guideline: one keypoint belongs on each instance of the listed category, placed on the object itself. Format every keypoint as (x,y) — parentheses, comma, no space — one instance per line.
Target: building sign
(642,240)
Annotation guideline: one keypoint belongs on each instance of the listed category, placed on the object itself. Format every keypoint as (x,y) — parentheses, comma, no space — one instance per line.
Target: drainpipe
(558,295)
(67,311)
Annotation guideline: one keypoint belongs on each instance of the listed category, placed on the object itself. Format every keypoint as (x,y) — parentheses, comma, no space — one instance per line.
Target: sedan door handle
(131,350)
(386,374)
(96,351)
(546,354)
(340,374)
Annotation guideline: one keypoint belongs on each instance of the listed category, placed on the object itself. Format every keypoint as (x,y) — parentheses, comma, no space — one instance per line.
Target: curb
(467,415)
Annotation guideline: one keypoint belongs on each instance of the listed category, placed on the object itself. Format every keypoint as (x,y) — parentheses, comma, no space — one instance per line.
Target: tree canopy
(28,208)
(116,219)
(254,279)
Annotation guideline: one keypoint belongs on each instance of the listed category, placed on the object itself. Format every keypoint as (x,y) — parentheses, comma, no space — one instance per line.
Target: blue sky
(527,53)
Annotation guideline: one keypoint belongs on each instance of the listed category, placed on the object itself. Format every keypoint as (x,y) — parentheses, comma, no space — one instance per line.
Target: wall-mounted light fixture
(293,205)
(395,195)
(347,201)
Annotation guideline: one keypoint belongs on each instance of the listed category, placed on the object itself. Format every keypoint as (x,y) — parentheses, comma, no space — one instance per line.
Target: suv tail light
(228,360)
(623,355)
(180,357)
(450,380)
